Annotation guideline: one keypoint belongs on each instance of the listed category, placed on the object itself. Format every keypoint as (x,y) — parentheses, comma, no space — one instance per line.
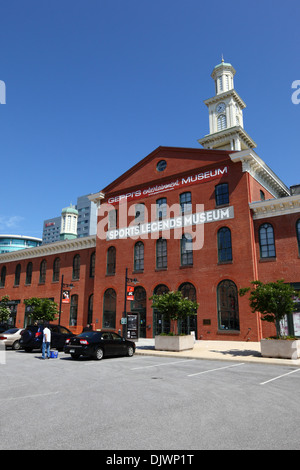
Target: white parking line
(163,364)
(279,376)
(29,396)
(213,370)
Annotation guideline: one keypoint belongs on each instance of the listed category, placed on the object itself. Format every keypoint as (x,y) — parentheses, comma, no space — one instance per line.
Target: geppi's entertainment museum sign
(176,184)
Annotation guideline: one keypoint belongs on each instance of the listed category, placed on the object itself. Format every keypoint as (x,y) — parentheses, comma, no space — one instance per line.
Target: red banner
(130,293)
(65,297)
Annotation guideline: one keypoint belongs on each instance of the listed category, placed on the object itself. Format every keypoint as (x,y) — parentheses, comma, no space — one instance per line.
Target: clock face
(220,107)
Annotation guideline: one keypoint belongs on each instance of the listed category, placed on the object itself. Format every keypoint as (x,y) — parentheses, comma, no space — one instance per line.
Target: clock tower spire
(226,126)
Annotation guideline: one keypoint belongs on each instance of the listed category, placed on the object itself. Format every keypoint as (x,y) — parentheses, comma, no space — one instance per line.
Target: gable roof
(179,160)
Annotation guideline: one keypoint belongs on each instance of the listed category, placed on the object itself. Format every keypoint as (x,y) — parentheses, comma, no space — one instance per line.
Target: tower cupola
(225,109)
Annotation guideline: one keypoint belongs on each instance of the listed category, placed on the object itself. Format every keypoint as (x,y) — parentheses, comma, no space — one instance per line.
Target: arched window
(109,309)
(224,245)
(76,267)
(73,310)
(228,307)
(111,260)
(139,256)
(220,83)
(161,208)
(186,250)
(56,270)
(161,253)
(189,323)
(43,268)
(298,233)
(221,123)
(92,264)
(3,276)
(185,202)
(139,212)
(90,309)
(188,290)
(266,241)
(28,273)
(17,275)
(221,194)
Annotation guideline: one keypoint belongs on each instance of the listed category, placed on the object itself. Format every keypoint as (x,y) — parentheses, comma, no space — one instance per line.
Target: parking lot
(146,402)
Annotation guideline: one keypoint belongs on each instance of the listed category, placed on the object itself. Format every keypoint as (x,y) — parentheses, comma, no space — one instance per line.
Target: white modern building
(10,243)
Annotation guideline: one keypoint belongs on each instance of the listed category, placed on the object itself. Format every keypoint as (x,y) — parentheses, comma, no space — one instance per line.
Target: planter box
(282,348)
(174,343)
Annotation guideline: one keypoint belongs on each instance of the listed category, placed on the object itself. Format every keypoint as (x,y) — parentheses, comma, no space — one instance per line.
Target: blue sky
(94,86)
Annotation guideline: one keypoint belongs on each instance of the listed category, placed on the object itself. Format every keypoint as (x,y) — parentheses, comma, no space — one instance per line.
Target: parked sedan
(98,344)
(32,337)
(11,338)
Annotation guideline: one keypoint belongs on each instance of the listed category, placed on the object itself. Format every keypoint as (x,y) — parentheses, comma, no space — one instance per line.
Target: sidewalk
(241,351)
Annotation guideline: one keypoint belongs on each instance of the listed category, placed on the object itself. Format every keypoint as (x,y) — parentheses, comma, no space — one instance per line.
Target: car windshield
(11,331)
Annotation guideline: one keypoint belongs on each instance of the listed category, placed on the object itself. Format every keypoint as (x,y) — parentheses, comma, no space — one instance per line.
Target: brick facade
(210,275)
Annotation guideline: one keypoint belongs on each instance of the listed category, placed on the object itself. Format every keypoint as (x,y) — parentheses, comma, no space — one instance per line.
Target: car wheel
(99,354)
(75,356)
(16,346)
(130,351)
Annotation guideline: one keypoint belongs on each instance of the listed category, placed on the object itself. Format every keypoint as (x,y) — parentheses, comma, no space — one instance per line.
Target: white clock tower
(226,127)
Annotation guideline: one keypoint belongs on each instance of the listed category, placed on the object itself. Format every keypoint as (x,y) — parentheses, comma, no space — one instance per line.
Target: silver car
(11,338)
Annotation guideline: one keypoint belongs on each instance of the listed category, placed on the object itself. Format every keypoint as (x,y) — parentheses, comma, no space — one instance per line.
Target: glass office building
(9,243)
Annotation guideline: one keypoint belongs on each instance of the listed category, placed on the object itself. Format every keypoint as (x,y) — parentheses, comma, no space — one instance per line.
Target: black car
(32,337)
(4,327)
(98,344)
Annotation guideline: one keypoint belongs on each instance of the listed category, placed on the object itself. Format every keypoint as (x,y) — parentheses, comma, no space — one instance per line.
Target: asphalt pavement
(216,350)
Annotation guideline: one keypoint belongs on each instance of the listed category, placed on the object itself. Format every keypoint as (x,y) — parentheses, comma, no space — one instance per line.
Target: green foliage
(272,300)
(173,305)
(42,309)
(4,309)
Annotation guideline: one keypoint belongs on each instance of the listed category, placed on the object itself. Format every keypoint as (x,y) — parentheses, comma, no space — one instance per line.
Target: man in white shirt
(46,342)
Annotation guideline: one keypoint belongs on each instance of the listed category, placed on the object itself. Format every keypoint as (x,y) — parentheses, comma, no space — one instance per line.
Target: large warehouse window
(228,307)
(266,241)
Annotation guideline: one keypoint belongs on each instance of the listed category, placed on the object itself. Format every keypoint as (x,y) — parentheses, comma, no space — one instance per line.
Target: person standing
(46,342)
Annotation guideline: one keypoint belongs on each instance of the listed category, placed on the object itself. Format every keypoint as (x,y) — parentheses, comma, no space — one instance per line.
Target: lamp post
(124,324)
(62,286)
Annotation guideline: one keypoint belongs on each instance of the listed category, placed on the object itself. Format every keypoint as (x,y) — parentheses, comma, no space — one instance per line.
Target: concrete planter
(174,343)
(281,348)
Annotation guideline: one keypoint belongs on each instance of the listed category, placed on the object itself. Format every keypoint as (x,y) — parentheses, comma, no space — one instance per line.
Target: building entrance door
(138,305)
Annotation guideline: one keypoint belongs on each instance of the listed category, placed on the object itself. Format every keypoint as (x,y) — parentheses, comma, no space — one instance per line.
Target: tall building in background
(86,223)
(51,230)
(87,217)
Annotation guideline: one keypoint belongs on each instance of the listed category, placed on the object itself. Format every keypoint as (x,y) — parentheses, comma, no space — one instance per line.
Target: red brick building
(244,239)
(203,221)
(39,272)
(243,220)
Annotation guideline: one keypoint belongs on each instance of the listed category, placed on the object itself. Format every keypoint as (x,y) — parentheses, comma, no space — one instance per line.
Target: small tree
(4,309)
(173,305)
(43,310)
(272,300)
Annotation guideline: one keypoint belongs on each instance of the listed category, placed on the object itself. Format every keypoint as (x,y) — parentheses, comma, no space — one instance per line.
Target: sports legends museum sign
(179,222)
